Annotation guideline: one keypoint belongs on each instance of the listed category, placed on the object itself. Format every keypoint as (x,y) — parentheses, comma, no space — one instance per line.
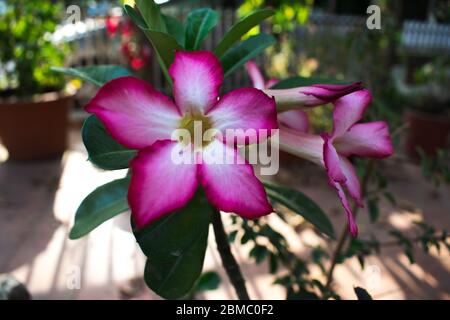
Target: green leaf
(302,205)
(240,29)
(245,51)
(362,294)
(259,253)
(208,281)
(99,206)
(135,17)
(151,14)
(164,44)
(198,24)
(98,75)
(103,151)
(175,28)
(302,82)
(175,246)
(232,236)
(273,263)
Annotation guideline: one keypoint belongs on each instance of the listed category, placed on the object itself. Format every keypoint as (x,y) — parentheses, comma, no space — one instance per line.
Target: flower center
(196,125)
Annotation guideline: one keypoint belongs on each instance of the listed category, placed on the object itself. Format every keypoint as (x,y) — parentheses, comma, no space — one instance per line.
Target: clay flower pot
(427,131)
(35,128)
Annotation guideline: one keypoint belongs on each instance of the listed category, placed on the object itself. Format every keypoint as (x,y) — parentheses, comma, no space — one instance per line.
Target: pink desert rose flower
(310,96)
(139,117)
(348,138)
(292,118)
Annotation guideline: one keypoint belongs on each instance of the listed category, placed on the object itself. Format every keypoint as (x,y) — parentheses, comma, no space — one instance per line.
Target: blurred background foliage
(26,48)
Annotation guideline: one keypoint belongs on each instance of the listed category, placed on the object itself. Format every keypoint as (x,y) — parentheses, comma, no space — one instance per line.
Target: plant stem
(344,234)
(337,252)
(229,262)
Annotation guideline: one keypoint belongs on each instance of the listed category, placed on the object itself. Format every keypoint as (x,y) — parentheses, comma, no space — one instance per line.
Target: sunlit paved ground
(38,202)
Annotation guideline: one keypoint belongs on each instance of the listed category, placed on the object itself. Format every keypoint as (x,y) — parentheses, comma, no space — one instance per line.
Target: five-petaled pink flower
(139,117)
(295,118)
(348,138)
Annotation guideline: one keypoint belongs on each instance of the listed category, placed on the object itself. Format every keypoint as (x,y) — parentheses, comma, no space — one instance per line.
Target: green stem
(228,261)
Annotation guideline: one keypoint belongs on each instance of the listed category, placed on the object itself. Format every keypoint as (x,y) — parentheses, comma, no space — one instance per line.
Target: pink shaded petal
(158,185)
(348,110)
(294,119)
(255,75)
(134,113)
(244,109)
(352,181)
(232,187)
(353,228)
(366,140)
(272,82)
(310,96)
(197,77)
(331,160)
(330,92)
(303,145)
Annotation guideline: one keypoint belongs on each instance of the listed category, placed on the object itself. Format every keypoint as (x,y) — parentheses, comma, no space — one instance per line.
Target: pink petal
(348,110)
(331,160)
(366,140)
(197,77)
(158,185)
(255,75)
(310,96)
(271,82)
(303,145)
(294,119)
(232,187)
(352,181)
(330,92)
(244,109)
(134,113)
(348,211)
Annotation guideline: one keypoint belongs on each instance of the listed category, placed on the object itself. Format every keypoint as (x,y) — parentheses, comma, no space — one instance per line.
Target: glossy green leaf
(151,14)
(208,281)
(245,51)
(303,81)
(175,28)
(240,29)
(99,206)
(302,205)
(199,23)
(164,44)
(103,151)
(175,246)
(98,75)
(135,17)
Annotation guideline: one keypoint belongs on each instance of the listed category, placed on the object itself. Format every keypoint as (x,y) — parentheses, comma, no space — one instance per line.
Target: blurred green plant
(435,168)
(288,14)
(26,48)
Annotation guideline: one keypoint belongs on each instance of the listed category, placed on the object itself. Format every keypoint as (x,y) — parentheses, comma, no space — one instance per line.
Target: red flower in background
(112,24)
(136,54)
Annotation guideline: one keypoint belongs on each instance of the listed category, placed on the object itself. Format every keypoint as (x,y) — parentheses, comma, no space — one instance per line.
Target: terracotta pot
(35,128)
(429,132)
